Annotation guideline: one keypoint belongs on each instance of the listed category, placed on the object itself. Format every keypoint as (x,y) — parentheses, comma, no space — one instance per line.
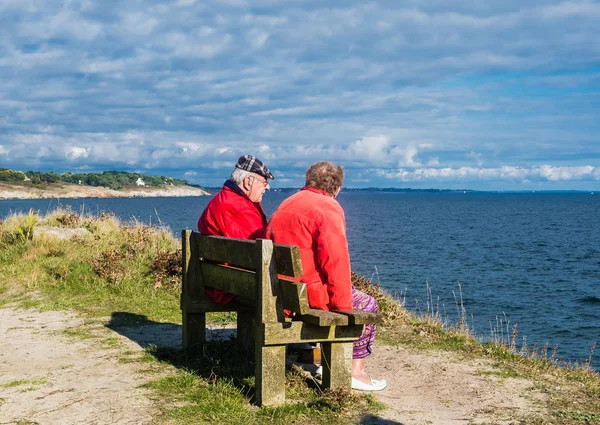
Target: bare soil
(52,373)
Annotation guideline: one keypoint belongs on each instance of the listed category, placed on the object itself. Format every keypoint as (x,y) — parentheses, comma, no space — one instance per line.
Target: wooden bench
(250,269)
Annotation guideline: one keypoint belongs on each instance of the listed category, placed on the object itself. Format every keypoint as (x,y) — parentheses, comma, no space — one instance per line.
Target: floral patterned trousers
(364,344)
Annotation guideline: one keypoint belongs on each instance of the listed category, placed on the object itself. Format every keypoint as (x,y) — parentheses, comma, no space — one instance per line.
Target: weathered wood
(185,261)
(336,359)
(241,253)
(236,252)
(323,318)
(269,374)
(193,282)
(241,282)
(293,332)
(268,300)
(245,329)
(294,296)
(359,317)
(287,259)
(193,327)
(230,279)
(206,305)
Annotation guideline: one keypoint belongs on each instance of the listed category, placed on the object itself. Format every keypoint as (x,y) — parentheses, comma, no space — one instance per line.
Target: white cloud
(257,38)
(76,152)
(64,23)
(476,156)
(504,173)
(433,162)
(370,148)
(570,9)
(564,173)
(29,6)
(407,154)
(139,23)
(204,43)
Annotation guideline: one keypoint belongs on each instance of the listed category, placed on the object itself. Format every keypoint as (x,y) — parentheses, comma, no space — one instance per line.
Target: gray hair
(238,175)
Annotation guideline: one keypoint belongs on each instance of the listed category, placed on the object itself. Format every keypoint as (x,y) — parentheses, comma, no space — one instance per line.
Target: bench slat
(230,279)
(294,296)
(359,317)
(242,253)
(237,252)
(209,306)
(295,332)
(323,318)
(287,260)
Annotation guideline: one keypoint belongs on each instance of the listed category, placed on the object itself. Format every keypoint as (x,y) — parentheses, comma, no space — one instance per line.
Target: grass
(132,273)
(23,382)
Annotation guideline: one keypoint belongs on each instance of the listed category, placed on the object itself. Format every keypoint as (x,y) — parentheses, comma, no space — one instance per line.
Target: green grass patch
(216,385)
(22,382)
(583,417)
(503,374)
(79,332)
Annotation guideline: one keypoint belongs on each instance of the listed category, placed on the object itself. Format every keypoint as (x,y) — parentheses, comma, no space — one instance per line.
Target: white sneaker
(319,371)
(376,385)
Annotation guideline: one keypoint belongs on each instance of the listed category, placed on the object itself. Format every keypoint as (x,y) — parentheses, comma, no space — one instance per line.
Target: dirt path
(50,373)
(440,388)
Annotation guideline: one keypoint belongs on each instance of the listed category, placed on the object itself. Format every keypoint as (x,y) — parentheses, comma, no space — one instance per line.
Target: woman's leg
(364,344)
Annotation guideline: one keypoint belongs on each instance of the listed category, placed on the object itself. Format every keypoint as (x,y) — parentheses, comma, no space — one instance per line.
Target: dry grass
(128,267)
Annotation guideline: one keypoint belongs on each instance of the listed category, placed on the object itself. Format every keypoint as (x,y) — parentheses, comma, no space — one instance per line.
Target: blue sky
(501,95)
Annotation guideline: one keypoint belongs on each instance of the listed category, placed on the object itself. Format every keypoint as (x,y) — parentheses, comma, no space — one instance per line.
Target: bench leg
(336,359)
(245,328)
(270,374)
(193,329)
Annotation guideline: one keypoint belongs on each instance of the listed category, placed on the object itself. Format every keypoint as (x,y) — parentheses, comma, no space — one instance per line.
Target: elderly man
(235,211)
(314,220)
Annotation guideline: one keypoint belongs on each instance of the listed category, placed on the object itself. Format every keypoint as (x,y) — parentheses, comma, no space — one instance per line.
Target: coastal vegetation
(128,274)
(115,180)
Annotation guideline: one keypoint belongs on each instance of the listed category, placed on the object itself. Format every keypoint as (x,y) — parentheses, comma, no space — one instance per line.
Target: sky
(494,95)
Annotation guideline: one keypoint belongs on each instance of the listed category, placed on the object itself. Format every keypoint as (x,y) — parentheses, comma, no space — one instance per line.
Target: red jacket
(314,220)
(232,214)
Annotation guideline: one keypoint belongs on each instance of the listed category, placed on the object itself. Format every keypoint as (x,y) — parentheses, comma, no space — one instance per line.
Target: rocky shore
(11,191)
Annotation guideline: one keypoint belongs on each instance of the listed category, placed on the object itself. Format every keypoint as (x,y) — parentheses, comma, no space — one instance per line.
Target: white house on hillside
(140,182)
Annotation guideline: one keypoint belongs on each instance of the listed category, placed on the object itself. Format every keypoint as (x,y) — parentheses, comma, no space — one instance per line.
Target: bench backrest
(248,269)
(255,271)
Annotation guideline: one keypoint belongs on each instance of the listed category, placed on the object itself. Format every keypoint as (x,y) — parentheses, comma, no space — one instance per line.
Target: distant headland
(16,184)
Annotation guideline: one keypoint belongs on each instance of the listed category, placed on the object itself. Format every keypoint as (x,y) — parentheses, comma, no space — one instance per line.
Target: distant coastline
(9,190)
(430,190)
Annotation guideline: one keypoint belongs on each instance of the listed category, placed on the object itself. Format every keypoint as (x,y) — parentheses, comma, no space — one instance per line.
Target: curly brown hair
(325,176)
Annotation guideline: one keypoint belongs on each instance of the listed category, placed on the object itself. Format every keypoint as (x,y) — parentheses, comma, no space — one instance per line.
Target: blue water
(531,259)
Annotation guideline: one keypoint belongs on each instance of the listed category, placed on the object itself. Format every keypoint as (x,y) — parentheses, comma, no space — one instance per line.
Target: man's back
(232,214)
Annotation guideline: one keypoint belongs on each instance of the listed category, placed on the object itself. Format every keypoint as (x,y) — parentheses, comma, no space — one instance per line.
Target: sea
(509,265)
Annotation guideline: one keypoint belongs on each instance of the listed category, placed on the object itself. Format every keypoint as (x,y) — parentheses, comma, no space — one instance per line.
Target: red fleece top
(232,214)
(314,220)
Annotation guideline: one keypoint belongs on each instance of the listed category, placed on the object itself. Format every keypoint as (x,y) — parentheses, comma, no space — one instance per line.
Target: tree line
(110,179)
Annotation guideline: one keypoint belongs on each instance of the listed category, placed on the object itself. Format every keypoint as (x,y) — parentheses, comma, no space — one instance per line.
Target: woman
(314,220)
